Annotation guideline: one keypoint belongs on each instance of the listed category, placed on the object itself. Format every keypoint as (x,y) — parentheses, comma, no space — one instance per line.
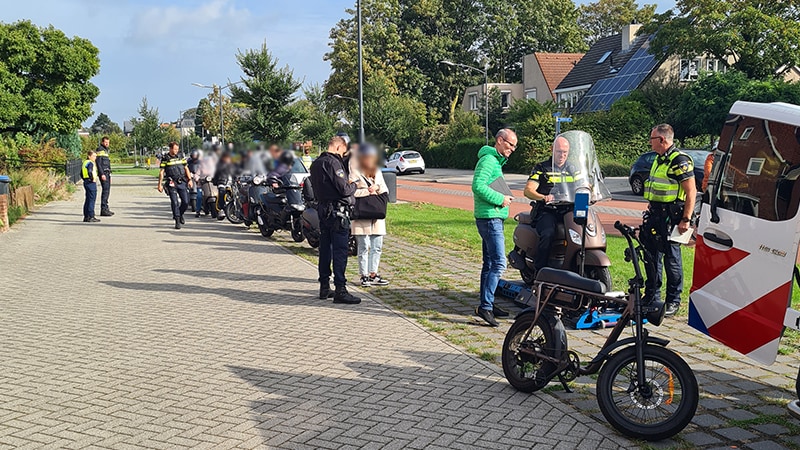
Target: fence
(71,168)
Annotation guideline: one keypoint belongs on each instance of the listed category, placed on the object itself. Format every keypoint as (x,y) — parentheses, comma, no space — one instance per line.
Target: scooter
(748,234)
(237,208)
(210,193)
(643,389)
(579,244)
(224,196)
(280,208)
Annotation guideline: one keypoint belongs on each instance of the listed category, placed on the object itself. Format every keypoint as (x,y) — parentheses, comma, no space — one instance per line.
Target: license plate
(412,161)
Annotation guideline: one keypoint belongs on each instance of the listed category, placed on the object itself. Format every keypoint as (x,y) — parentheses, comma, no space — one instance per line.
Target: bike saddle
(570,279)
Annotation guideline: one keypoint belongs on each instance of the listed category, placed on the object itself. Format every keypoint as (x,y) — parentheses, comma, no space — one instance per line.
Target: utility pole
(360,78)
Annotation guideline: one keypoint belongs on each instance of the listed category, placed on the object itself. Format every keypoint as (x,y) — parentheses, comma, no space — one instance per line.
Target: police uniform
(176,183)
(103,164)
(667,198)
(334,192)
(547,217)
(89,175)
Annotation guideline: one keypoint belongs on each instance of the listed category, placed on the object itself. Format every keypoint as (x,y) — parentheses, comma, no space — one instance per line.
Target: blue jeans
(369,253)
(670,262)
(494,258)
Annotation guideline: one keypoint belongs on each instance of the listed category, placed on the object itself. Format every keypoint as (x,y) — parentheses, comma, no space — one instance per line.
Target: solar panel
(605,92)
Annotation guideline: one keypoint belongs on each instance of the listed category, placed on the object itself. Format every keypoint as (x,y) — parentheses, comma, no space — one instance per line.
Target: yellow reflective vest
(85,174)
(663,185)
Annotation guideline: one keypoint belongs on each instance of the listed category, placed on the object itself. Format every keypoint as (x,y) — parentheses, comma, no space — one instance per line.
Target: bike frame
(633,311)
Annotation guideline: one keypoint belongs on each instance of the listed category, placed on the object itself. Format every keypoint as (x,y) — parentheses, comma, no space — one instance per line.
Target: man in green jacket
(492,199)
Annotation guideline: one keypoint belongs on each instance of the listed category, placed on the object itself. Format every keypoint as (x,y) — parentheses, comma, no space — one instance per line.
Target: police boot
(342,296)
(325,291)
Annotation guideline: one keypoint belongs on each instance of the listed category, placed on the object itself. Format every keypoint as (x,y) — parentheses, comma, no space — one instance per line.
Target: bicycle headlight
(575,237)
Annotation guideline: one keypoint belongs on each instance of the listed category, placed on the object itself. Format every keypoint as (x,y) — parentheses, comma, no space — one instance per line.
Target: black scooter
(279,207)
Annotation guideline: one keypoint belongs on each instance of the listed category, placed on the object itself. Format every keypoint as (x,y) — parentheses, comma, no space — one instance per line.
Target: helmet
(287,158)
(196,154)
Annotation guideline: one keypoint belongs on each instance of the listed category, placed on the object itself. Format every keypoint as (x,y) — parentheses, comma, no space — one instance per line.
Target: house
(185,127)
(543,72)
(508,93)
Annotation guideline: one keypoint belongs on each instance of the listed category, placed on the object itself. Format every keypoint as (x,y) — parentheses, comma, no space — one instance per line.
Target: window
(604,57)
(570,99)
(715,65)
(473,102)
(690,69)
(505,99)
(530,94)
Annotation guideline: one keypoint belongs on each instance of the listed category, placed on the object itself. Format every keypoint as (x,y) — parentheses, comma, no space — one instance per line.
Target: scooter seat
(524,218)
(570,280)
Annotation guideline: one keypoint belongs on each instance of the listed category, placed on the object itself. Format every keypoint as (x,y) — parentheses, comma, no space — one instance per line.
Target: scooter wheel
(266,231)
(314,243)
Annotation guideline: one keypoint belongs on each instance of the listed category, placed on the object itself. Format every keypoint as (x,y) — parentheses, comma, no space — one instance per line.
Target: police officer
(104,169)
(334,193)
(89,175)
(544,177)
(671,191)
(179,180)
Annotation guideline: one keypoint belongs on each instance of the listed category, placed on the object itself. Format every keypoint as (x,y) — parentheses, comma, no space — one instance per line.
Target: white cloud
(216,21)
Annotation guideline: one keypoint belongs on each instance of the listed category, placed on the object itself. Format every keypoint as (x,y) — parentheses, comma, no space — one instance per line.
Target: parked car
(641,169)
(406,162)
(299,172)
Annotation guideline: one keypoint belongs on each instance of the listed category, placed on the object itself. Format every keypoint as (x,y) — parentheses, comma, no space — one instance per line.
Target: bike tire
(232,214)
(297,231)
(514,363)
(675,369)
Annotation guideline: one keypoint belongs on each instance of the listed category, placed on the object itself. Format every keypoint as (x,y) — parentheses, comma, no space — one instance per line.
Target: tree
(210,114)
(607,17)
(759,37)
(317,122)
(203,109)
(515,28)
(71,143)
(104,125)
(267,91)
(147,130)
(44,79)
(391,118)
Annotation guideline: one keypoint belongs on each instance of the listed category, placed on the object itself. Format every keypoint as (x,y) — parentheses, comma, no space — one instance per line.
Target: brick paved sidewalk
(129,333)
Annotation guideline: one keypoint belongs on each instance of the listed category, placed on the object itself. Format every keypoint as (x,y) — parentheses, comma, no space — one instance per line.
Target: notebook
(501,186)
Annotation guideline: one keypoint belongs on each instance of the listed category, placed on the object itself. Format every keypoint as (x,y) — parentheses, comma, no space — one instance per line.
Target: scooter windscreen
(575,169)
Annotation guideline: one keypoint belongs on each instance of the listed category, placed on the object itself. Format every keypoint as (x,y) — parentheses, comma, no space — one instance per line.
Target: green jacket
(488,201)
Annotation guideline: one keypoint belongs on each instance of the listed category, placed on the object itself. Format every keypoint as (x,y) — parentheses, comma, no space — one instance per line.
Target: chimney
(629,35)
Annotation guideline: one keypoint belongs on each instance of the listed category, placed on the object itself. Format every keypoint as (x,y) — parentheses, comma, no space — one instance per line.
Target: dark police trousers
(91,198)
(182,191)
(666,257)
(546,225)
(106,186)
(333,240)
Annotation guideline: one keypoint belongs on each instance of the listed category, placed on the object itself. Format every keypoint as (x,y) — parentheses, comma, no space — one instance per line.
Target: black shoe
(325,291)
(197,214)
(183,221)
(365,282)
(342,296)
(106,213)
(671,308)
(499,312)
(93,220)
(85,219)
(486,315)
(177,224)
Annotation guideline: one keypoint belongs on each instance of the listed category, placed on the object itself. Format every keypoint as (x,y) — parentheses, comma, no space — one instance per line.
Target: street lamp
(344,97)
(485,72)
(360,78)
(221,120)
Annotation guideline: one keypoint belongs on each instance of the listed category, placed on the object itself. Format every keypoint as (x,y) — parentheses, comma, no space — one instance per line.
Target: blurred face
(368,162)
(275,151)
(560,152)
(506,145)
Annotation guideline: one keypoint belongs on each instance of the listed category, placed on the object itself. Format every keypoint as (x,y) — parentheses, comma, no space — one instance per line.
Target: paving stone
(735,434)
(739,414)
(765,445)
(700,438)
(707,420)
(771,429)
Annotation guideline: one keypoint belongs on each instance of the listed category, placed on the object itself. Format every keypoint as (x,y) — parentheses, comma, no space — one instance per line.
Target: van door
(747,239)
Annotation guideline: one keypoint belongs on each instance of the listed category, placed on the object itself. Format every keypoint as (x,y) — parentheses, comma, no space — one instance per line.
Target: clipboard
(500,185)
(681,238)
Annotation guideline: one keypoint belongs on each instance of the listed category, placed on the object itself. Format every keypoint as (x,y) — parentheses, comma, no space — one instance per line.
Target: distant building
(185,127)
(473,96)
(127,127)
(543,72)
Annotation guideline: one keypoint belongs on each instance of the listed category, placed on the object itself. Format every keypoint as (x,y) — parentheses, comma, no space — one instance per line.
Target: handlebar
(624,229)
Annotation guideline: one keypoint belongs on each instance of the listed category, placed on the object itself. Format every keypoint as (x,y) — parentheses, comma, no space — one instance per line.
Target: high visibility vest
(564,176)
(659,186)
(101,153)
(85,170)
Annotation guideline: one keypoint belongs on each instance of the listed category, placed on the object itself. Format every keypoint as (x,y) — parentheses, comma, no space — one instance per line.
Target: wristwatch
(685,220)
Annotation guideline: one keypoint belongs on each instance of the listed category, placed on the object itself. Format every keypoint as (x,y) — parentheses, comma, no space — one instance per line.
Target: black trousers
(91,196)
(546,225)
(179,191)
(662,256)
(333,240)
(106,186)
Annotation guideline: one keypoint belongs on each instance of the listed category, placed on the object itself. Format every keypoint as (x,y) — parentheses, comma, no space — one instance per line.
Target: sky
(158,48)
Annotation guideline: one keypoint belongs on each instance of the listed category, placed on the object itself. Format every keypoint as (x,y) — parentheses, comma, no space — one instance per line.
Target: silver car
(406,162)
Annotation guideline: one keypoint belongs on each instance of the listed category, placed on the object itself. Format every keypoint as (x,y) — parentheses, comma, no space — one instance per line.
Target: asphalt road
(620,190)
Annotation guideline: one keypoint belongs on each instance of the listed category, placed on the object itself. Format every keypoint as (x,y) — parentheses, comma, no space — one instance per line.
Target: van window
(760,176)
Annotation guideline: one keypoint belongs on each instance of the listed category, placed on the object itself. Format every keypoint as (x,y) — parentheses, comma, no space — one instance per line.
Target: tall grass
(47,184)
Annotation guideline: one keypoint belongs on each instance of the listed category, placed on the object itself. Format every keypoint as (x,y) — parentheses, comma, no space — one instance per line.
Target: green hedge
(461,155)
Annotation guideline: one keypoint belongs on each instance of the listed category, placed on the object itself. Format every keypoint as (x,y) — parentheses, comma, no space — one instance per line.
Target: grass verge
(135,171)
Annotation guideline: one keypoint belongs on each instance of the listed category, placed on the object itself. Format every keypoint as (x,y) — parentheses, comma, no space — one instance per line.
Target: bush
(47,185)
(15,213)
(460,155)
(611,168)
